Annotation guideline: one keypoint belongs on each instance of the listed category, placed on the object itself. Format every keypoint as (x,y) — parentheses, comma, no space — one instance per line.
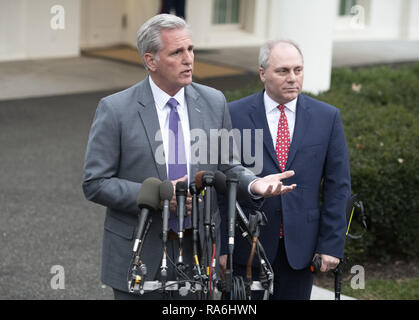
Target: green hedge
(380,113)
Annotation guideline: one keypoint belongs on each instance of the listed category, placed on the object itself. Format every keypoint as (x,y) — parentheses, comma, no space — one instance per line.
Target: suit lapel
(150,121)
(196,119)
(302,121)
(258,116)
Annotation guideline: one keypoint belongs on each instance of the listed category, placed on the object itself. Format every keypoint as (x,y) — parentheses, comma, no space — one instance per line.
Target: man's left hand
(271,185)
(328,263)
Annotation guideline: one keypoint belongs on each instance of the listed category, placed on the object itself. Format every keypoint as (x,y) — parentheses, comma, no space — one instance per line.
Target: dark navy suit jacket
(313,213)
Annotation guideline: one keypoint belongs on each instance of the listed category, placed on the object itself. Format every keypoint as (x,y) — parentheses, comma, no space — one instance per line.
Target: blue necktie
(177,166)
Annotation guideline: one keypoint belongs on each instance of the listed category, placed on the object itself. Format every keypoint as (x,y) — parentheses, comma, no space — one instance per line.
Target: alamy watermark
(58,279)
(57,22)
(358,17)
(221,146)
(358,280)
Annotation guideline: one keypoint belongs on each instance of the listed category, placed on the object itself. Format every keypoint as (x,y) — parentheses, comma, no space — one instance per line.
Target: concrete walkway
(318,293)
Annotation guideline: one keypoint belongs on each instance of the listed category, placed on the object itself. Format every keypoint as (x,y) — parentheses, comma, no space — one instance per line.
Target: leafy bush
(380,113)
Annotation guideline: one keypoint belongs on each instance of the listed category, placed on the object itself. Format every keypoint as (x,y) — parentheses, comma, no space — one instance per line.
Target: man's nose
(292,76)
(188,57)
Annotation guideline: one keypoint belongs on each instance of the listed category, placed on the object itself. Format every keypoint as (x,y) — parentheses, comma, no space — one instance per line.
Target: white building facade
(33,29)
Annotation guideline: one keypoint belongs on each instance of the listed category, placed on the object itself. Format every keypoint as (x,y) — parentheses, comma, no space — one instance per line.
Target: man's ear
(262,74)
(150,61)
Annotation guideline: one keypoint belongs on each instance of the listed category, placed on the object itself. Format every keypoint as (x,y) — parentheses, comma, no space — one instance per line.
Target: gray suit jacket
(121,154)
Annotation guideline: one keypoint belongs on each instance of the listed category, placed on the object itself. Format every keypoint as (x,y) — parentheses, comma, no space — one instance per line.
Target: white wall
(413,18)
(384,20)
(12,30)
(26,31)
(251,32)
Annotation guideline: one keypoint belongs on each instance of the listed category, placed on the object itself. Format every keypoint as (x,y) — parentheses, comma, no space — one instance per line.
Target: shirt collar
(271,105)
(161,97)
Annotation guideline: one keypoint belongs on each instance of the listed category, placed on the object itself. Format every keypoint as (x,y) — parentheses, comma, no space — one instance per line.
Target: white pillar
(310,24)
(413,27)
(198,16)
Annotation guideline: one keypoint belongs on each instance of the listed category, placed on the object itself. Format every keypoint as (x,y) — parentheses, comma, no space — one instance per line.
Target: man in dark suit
(147,131)
(304,135)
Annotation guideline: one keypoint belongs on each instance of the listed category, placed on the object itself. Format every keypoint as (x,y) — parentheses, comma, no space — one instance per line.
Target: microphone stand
(209,227)
(266,271)
(163,273)
(180,198)
(231,184)
(195,234)
(139,269)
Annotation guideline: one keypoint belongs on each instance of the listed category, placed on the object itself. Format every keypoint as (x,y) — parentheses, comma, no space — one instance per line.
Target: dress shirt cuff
(253,196)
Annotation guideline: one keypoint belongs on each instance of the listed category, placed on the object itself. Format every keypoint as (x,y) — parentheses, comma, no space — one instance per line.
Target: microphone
(228,186)
(232,183)
(166,194)
(148,200)
(205,180)
(195,207)
(181,191)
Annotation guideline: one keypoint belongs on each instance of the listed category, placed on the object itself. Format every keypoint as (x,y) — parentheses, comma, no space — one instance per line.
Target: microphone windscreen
(181,188)
(166,190)
(149,195)
(192,188)
(220,182)
(232,177)
(208,179)
(198,180)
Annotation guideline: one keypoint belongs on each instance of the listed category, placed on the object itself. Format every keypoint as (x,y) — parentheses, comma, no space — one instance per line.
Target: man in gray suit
(131,139)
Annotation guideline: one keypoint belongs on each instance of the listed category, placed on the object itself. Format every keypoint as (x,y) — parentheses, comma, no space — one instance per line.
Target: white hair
(149,34)
(265,51)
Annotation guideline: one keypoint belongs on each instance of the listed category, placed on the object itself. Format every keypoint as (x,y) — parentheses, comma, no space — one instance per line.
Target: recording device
(166,194)
(148,200)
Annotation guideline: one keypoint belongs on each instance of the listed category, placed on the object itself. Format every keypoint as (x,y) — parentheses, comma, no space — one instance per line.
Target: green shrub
(380,114)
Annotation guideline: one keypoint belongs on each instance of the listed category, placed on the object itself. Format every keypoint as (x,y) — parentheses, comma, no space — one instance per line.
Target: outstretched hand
(272,185)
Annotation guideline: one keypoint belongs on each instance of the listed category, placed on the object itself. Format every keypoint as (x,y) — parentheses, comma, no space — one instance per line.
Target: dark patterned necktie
(282,147)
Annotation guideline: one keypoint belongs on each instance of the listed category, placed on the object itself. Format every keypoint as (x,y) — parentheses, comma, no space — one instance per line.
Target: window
(345,7)
(226,12)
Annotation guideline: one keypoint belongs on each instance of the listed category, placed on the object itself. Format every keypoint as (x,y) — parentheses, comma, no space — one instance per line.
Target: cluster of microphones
(155,196)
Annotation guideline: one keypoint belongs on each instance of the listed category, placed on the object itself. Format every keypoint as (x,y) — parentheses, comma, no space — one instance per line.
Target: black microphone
(207,183)
(181,192)
(228,187)
(148,200)
(232,183)
(166,194)
(194,213)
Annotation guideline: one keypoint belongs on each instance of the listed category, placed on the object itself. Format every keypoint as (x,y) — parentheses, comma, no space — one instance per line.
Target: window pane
(345,7)
(226,11)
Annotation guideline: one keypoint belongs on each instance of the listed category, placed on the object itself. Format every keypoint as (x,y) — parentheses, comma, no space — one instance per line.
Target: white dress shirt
(163,112)
(273,114)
